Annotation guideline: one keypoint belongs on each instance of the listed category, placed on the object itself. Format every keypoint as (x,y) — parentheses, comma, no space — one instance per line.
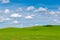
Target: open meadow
(30,33)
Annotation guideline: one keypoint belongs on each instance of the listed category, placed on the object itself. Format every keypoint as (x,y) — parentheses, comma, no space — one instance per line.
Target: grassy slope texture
(32,33)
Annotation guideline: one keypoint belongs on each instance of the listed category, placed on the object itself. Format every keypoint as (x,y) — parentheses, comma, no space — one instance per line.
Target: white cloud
(7,19)
(16,15)
(20,9)
(56,15)
(32,15)
(52,12)
(30,8)
(36,11)
(1,17)
(16,22)
(1,11)
(6,11)
(5,1)
(58,21)
(57,12)
(40,9)
(55,20)
(4,19)
(36,24)
(28,17)
(58,8)
(1,21)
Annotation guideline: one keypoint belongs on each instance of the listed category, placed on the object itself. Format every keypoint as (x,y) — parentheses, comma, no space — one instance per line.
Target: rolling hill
(31,33)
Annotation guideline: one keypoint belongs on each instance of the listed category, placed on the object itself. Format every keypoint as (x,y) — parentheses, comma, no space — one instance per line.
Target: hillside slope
(31,33)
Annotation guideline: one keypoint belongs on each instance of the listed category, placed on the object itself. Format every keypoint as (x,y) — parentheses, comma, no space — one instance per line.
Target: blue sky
(21,13)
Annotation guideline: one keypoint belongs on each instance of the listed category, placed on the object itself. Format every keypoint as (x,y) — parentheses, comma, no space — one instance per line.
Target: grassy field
(31,33)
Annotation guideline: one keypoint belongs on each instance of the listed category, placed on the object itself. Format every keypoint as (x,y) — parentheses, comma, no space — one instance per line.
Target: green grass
(30,33)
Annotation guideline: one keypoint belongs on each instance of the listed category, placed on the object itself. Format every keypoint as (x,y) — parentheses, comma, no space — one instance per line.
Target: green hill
(31,33)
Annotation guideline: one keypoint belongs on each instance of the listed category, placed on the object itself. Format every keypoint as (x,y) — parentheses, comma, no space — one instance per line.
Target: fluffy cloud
(16,22)
(1,11)
(7,19)
(41,9)
(32,15)
(55,20)
(16,15)
(6,11)
(19,10)
(3,19)
(36,24)
(57,12)
(58,8)
(52,12)
(29,16)
(36,11)
(5,1)
(56,15)
(30,8)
